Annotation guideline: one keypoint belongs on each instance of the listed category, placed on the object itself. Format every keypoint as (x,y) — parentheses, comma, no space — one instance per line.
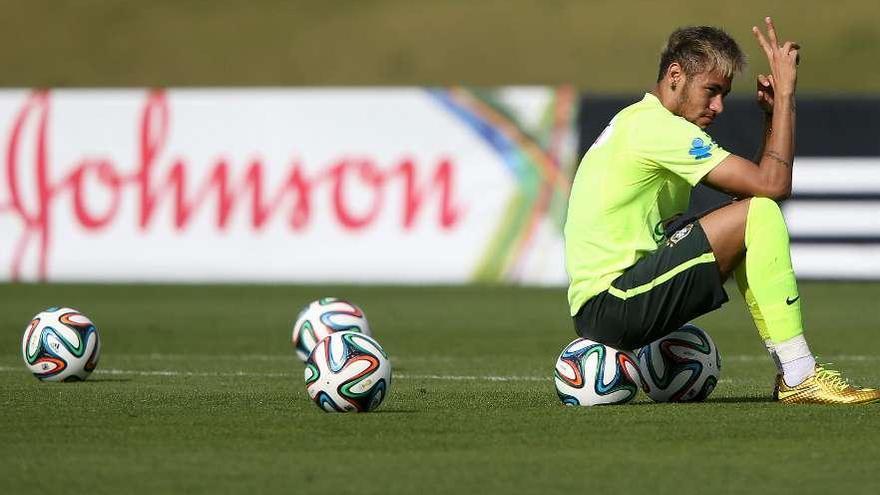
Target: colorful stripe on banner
(537,158)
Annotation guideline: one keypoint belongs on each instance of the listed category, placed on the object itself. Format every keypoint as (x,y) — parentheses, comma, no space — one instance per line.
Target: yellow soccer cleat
(824,386)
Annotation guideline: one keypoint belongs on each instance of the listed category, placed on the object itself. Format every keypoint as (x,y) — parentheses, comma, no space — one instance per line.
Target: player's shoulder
(649,121)
(648,117)
(650,112)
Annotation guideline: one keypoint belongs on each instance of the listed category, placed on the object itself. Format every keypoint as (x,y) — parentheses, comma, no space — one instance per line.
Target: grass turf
(198,391)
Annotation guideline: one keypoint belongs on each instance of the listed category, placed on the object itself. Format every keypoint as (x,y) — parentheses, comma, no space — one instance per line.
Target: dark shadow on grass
(395,411)
(108,380)
(720,400)
(741,400)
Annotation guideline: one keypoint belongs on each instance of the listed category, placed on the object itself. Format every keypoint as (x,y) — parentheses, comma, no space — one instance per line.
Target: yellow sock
(766,277)
(751,303)
(757,317)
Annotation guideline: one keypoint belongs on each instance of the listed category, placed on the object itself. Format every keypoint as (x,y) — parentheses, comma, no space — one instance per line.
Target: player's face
(702,98)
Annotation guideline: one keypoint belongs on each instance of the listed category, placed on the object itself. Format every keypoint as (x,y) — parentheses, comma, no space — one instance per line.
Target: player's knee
(767,213)
(766,208)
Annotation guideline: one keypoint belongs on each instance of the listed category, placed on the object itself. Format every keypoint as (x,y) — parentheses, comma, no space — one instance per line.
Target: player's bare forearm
(768,127)
(778,154)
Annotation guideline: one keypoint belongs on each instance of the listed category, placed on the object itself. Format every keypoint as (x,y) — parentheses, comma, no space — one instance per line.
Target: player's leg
(726,230)
(751,238)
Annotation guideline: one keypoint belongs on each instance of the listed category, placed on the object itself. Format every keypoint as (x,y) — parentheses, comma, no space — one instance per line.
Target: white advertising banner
(833,218)
(337,185)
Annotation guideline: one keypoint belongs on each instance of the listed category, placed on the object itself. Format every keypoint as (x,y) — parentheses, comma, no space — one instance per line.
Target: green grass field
(198,391)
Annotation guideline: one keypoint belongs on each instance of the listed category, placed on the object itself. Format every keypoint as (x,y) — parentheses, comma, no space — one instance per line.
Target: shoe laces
(831,377)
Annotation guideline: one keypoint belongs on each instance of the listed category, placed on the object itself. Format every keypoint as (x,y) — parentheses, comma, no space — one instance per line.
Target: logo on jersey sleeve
(700,149)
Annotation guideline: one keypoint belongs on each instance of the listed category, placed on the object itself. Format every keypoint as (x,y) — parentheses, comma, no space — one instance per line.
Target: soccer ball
(348,372)
(681,367)
(61,344)
(590,374)
(323,317)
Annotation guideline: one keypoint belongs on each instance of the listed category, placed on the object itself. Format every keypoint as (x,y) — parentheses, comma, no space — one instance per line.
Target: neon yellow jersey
(640,171)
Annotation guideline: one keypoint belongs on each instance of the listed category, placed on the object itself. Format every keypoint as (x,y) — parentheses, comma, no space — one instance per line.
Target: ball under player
(638,270)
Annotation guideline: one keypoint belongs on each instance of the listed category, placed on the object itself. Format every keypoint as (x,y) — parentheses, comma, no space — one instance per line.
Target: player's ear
(674,75)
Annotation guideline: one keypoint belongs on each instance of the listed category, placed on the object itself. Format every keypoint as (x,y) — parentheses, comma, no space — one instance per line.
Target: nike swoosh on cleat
(791,301)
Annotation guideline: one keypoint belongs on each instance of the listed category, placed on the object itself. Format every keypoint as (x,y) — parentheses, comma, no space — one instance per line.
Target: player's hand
(783,60)
(765,93)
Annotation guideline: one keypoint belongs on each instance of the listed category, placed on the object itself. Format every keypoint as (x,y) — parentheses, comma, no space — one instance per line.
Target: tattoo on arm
(777,158)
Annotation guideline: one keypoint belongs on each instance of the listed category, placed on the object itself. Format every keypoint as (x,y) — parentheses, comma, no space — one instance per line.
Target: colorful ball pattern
(61,344)
(683,366)
(589,374)
(348,372)
(322,318)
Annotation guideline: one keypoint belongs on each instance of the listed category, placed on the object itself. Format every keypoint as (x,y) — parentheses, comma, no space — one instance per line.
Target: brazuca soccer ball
(589,373)
(323,317)
(348,372)
(683,366)
(61,344)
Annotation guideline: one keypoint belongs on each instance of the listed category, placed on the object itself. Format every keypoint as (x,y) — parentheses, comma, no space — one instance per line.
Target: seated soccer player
(637,272)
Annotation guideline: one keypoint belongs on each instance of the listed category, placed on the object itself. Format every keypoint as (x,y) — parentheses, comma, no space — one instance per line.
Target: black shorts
(661,292)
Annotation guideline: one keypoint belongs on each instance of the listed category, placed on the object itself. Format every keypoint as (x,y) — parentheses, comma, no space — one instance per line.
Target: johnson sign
(402,185)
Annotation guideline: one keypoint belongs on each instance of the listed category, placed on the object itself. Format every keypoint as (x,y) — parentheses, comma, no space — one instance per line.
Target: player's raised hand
(783,60)
(765,93)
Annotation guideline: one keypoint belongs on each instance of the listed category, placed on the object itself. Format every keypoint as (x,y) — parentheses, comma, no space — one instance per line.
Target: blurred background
(599,46)
(261,141)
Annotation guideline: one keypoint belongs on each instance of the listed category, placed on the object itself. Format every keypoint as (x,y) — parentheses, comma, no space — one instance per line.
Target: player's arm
(771,176)
(764,99)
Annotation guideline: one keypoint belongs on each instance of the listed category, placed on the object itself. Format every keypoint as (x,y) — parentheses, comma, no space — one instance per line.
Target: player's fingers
(763,81)
(796,47)
(771,31)
(762,41)
(786,49)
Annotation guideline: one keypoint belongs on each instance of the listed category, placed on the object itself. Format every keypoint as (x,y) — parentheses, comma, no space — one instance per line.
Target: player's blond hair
(700,49)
